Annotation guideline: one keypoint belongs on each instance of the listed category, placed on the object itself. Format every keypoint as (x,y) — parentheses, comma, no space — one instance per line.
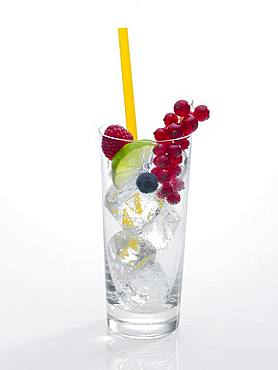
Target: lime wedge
(129,160)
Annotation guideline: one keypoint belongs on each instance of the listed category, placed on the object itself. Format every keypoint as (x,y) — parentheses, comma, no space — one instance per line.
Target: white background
(60,79)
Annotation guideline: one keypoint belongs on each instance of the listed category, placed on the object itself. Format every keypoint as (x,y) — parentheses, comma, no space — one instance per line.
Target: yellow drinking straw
(127,82)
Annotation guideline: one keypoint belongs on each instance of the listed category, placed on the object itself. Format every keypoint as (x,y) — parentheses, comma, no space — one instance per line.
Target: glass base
(142,325)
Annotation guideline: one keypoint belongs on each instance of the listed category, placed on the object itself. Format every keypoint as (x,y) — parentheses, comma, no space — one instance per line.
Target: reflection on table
(132,354)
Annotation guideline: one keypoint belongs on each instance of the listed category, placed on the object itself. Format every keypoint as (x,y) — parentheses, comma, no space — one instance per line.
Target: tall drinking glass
(144,234)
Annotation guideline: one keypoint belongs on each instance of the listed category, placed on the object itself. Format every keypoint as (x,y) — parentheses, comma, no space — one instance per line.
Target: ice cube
(132,209)
(161,230)
(137,278)
(148,285)
(127,254)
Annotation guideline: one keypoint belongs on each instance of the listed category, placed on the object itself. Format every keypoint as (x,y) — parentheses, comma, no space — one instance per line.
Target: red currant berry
(189,125)
(174,171)
(160,149)
(175,161)
(182,108)
(165,176)
(183,143)
(201,113)
(161,174)
(160,194)
(167,188)
(161,134)
(174,131)
(173,198)
(162,161)
(177,184)
(156,171)
(170,118)
(174,150)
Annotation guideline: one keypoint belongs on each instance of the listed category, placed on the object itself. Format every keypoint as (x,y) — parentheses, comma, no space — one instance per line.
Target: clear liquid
(143,260)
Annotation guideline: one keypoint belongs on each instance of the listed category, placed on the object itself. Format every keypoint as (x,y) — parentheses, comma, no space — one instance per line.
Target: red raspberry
(201,113)
(110,145)
(170,118)
(189,125)
(174,131)
(173,198)
(160,149)
(161,134)
(177,184)
(182,108)
(174,150)
(162,161)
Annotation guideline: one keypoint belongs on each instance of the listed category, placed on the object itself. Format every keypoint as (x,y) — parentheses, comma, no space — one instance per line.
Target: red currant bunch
(172,141)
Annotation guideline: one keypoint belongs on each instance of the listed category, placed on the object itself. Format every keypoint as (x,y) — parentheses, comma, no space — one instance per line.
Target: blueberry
(147,182)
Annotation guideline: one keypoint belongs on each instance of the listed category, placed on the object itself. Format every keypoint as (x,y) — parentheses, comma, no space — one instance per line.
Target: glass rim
(102,127)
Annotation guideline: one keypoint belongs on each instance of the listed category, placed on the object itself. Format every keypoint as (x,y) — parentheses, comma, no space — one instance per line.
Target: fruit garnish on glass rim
(109,145)
(130,160)
(129,157)
(172,142)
